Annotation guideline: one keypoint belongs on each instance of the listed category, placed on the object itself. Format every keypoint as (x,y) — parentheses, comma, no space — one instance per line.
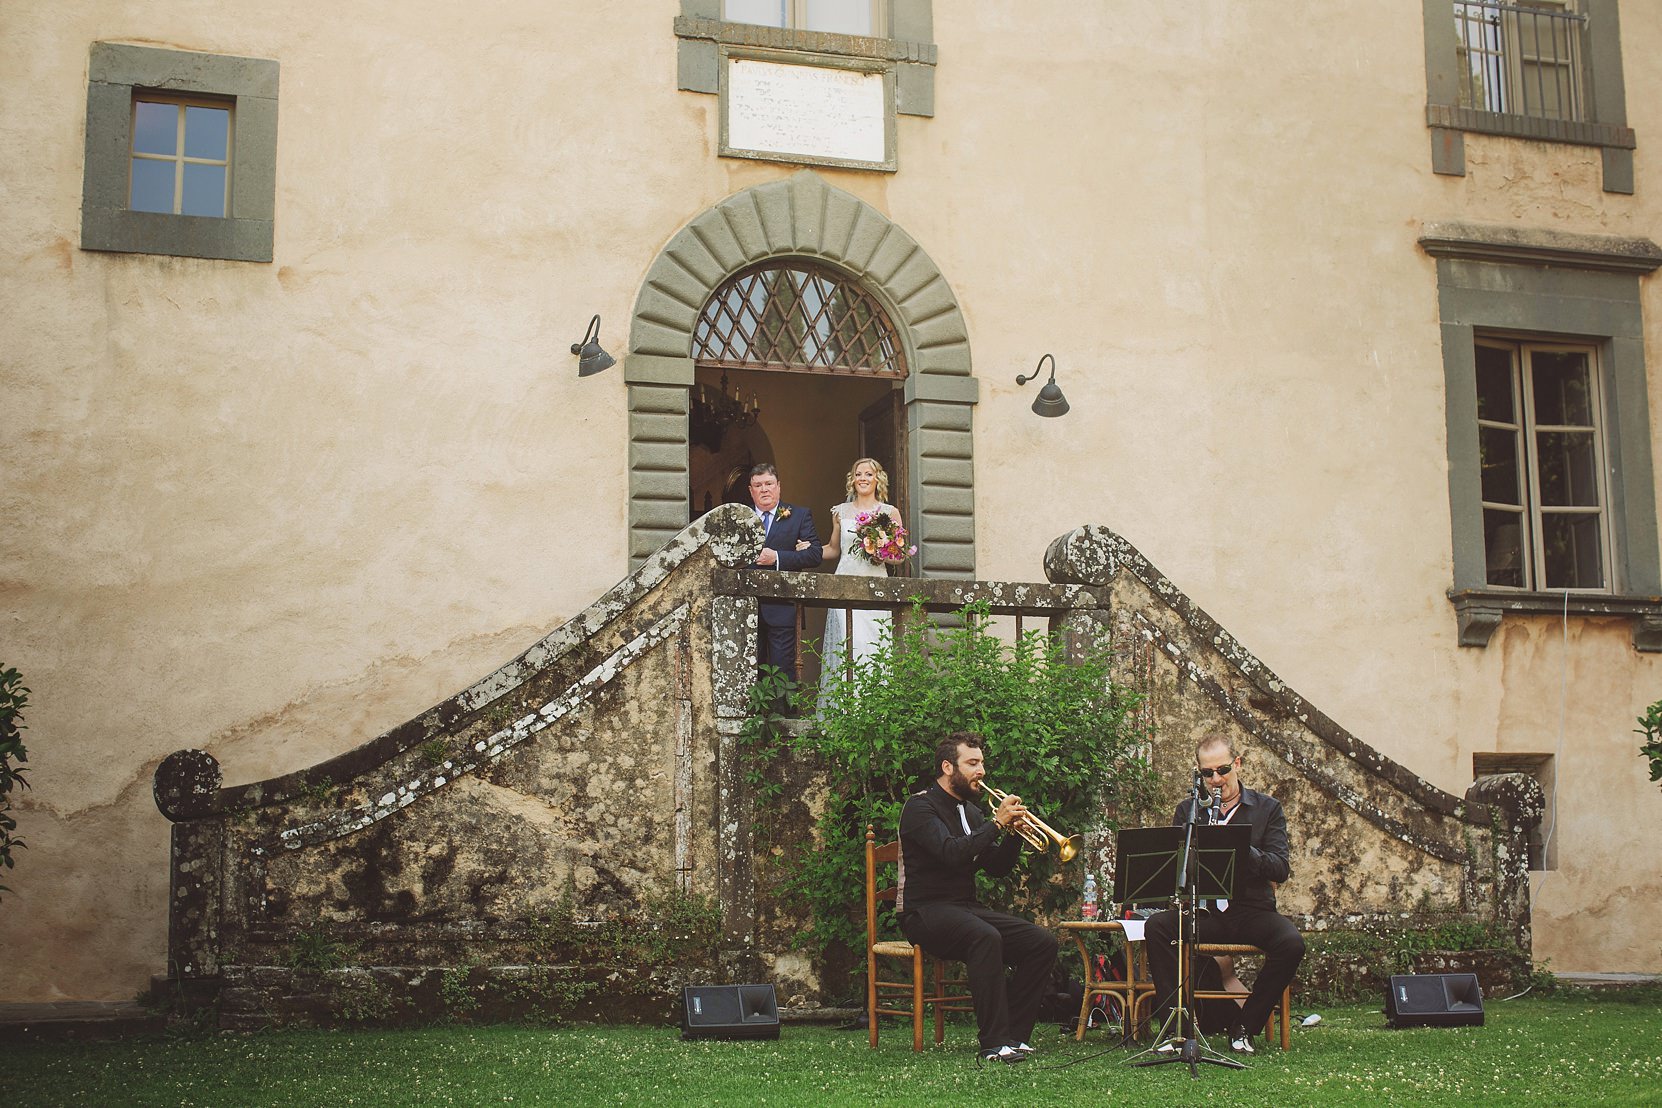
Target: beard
(960,785)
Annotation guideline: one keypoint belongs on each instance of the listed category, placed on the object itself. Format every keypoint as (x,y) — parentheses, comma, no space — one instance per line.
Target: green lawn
(1567,1049)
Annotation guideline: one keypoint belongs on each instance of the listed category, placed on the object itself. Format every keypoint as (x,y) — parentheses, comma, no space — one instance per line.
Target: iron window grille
(799,317)
(1521,58)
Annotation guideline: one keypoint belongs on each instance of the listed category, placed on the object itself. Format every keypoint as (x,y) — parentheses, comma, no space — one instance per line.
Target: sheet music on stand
(1148,859)
(1181,866)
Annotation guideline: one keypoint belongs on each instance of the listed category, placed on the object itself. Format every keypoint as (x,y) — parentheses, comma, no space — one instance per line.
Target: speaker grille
(1434,1000)
(729,1012)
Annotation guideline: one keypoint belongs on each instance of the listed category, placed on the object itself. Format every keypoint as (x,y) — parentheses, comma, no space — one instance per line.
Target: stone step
(77,1020)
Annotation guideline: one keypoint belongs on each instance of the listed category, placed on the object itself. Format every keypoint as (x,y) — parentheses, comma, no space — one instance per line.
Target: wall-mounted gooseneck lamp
(1050,401)
(591,359)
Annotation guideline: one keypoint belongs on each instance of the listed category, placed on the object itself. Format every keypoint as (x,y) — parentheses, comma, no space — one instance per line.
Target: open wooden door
(883,436)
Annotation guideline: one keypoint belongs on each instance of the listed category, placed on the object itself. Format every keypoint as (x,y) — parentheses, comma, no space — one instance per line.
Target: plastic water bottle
(1088,911)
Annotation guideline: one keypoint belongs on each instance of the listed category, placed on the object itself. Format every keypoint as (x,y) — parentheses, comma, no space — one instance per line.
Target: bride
(868,490)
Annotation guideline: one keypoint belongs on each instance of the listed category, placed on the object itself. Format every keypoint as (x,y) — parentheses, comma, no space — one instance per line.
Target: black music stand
(1181,866)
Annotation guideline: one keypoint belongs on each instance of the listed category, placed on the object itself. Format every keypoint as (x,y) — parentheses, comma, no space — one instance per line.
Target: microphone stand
(1183,1023)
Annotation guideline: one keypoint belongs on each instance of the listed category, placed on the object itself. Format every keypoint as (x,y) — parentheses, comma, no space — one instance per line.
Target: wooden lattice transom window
(800,317)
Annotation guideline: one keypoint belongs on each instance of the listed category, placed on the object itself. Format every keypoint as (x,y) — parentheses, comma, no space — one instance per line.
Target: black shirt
(1269,859)
(938,859)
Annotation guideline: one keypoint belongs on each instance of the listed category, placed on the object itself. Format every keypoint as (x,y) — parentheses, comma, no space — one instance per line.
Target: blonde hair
(882,489)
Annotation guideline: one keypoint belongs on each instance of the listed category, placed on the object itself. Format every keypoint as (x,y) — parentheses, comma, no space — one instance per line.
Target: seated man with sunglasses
(1247,917)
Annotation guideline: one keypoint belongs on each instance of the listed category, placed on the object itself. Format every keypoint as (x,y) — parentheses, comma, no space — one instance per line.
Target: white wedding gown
(869,623)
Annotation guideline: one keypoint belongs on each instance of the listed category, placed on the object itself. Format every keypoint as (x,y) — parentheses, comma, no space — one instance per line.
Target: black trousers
(776,646)
(1263,928)
(986,941)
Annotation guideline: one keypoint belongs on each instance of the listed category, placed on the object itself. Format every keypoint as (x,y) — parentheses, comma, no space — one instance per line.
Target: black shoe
(1007,1054)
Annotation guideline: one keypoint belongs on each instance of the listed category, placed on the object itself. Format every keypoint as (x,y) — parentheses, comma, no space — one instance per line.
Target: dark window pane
(204,192)
(1498,454)
(207,133)
(155,129)
(1563,391)
(1503,547)
(1494,385)
(152,186)
(1569,468)
(1571,548)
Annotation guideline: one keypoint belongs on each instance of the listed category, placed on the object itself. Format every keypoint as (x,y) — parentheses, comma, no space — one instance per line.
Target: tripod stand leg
(1181,1025)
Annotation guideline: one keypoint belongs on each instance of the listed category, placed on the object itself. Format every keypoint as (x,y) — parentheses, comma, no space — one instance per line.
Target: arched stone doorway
(804,217)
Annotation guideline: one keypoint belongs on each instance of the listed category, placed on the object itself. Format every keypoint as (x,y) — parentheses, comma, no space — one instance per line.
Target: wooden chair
(1134,994)
(947,995)
(1283,1010)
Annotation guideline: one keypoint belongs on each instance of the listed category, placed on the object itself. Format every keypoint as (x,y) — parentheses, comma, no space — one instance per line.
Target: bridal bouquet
(882,538)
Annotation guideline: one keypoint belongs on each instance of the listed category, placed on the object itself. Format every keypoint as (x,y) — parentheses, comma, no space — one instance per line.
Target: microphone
(1200,790)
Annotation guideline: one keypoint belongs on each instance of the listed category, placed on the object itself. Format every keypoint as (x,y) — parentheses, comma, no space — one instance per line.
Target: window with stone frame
(1552,491)
(1548,70)
(1542,456)
(869,18)
(181,153)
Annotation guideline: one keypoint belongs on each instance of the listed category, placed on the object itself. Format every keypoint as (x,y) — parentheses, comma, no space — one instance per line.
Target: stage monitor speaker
(729,1012)
(1434,1000)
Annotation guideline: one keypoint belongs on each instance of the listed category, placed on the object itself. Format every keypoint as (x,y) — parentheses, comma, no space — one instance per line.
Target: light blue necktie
(767,523)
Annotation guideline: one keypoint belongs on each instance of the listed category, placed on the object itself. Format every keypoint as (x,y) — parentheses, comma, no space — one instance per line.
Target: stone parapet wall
(573,836)
(1374,846)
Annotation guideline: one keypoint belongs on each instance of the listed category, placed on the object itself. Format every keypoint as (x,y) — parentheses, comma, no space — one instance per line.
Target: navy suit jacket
(783,537)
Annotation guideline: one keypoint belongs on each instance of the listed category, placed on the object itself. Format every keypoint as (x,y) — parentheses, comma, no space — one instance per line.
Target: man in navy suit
(786,526)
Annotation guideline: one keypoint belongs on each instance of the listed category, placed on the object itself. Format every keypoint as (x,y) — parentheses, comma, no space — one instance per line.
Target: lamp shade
(591,359)
(1050,401)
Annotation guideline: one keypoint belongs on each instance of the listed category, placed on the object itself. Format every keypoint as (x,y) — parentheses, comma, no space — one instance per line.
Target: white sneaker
(1170,1046)
(1240,1042)
(1006,1054)
(1023,1047)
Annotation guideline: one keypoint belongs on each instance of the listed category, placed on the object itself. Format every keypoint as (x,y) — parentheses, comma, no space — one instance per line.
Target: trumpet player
(945,840)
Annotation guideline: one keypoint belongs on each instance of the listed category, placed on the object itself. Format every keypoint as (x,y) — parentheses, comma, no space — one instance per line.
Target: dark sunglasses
(1221,771)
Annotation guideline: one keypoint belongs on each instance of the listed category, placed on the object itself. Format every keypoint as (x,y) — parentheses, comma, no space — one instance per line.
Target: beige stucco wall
(271,510)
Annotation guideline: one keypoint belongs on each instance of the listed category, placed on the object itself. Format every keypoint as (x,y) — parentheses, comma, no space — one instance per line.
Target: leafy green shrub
(1059,733)
(14,697)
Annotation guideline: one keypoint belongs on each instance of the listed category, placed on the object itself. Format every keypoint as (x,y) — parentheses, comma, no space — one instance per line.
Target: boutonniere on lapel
(781,514)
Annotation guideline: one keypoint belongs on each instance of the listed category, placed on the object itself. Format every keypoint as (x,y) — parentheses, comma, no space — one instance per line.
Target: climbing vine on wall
(1650,726)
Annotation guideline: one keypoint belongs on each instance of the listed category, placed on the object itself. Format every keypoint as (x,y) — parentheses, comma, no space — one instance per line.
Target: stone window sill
(1480,611)
(1530,127)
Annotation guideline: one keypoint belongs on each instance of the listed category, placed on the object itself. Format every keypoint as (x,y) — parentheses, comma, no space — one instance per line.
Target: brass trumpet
(1036,831)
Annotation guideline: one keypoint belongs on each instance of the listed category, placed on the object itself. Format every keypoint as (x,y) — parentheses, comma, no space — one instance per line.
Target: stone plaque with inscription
(809,113)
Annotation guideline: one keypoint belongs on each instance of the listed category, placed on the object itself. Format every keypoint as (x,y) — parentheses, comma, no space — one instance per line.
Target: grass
(1567,1049)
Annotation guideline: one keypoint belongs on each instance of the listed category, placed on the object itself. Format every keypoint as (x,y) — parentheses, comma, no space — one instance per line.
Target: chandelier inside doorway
(715,412)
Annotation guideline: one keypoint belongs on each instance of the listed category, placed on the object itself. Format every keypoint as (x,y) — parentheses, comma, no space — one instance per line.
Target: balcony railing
(1030,603)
